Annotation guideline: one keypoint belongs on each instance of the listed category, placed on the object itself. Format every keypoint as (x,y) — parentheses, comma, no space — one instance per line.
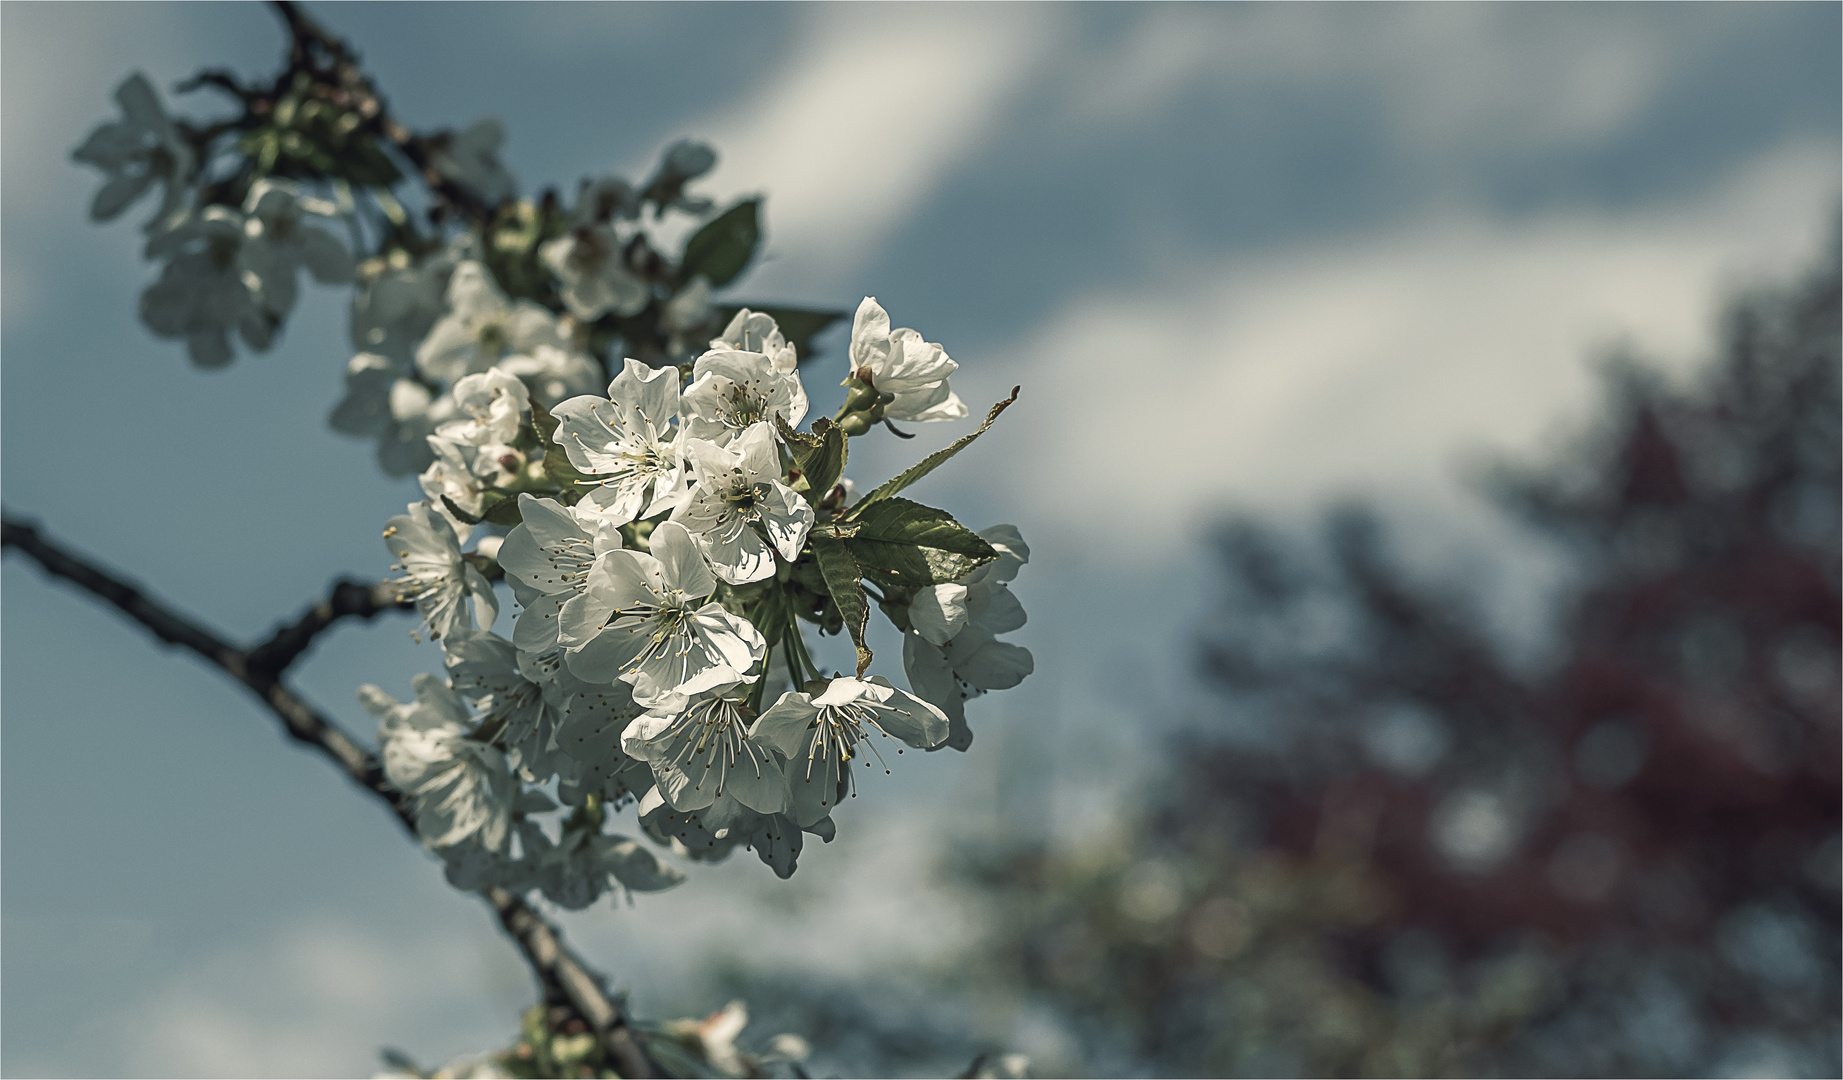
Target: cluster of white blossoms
(673,534)
(667,536)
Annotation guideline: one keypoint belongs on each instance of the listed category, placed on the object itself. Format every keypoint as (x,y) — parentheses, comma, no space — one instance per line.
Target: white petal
(938,612)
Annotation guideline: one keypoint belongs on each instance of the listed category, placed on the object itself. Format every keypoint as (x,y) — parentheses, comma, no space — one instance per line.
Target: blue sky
(1250,257)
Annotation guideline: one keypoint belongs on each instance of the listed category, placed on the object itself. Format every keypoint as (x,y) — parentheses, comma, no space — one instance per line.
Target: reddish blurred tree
(1403,853)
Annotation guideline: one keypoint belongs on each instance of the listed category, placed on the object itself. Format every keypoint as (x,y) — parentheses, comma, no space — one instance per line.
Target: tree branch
(561,974)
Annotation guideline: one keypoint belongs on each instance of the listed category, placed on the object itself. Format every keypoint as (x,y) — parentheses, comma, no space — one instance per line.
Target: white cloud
(861,122)
(1283,378)
(317,996)
(1447,75)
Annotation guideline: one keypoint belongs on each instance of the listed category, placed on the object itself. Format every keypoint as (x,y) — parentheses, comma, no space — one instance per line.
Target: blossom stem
(798,654)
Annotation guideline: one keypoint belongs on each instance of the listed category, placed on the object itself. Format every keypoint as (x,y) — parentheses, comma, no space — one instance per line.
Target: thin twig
(561,974)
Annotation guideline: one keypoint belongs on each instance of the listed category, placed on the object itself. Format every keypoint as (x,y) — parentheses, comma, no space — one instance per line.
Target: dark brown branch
(349,599)
(563,977)
(330,61)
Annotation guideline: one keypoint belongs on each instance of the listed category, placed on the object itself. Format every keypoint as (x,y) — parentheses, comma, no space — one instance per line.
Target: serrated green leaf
(901,542)
(842,578)
(798,325)
(721,250)
(820,456)
(930,463)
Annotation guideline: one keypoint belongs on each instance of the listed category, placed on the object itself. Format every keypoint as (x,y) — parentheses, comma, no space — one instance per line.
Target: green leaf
(930,463)
(458,512)
(723,247)
(842,575)
(503,512)
(541,419)
(900,542)
(798,325)
(569,480)
(820,456)
(771,615)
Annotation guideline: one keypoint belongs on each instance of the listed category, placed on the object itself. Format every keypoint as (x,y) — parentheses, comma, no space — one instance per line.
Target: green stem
(793,635)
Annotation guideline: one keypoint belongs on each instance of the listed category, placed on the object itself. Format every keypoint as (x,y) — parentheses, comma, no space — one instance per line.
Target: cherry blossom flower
(593,720)
(643,619)
(482,327)
(899,362)
(435,576)
(821,735)
(756,331)
(553,374)
(141,148)
(384,401)
(470,158)
(576,870)
(460,787)
(703,753)
(587,260)
(278,243)
(492,405)
(484,668)
(951,653)
(732,390)
(626,440)
(551,551)
(203,292)
(739,490)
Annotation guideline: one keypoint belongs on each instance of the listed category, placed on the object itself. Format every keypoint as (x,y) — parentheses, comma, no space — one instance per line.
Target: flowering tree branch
(564,978)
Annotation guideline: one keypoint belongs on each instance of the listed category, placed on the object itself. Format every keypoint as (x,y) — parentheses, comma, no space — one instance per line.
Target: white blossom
(738,490)
(278,243)
(703,753)
(593,720)
(639,619)
(463,475)
(493,405)
(757,332)
(899,362)
(396,309)
(588,261)
(204,292)
(483,668)
(482,327)
(626,440)
(576,869)
(686,834)
(821,735)
(951,653)
(550,551)
(470,158)
(688,311)
(384,401)
(683,161)
(732,390)
(554,374)
(716,1036)
(605,199)
(141,148)
(435,576)
(460,787)
(385,397)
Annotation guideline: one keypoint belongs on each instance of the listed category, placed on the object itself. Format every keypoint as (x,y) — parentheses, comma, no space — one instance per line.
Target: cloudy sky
(1251,258)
